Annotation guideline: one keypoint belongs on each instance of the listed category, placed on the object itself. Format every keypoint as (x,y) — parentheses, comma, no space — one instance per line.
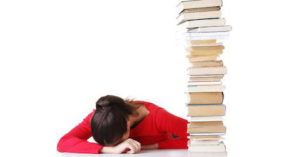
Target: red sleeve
(75,141)
(174,126)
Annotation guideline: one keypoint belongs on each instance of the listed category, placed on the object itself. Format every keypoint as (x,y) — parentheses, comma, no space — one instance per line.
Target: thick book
(205,88)
(206,127)
(206,110)
(207,71)
(207,148)
(199,53)
(206,36)
(202,58)
(187,16)
(201,23)
(198,4)
(207,154)
(205,98)
(204,50)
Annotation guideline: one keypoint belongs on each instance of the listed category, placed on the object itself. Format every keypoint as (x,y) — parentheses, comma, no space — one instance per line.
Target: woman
(125,126)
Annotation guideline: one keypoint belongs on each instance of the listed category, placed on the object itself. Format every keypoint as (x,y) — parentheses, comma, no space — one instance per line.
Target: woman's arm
(128,146)
(175,126)
(75,141)
(150,146)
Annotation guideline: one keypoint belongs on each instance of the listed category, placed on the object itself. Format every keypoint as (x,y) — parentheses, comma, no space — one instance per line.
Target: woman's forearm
(107,150)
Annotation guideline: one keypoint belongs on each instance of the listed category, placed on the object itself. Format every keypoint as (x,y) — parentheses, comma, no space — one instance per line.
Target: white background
(58,57)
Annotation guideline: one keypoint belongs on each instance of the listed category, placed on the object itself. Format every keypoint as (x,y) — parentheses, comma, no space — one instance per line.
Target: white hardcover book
(208,88)
(207,71)
(198,16)
(201,23)
(204,83)
(206,36)
(197,4)
(182,39)
(206,137)
(201,142)
(225,28)
(205,119)
(208,148)
(207,154)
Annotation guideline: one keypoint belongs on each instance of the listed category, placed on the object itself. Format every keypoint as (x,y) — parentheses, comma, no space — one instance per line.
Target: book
(207,71)
(201,23)
(206,127)
(206,9)
(202,58)
(206,88)
(203,142)
(205,98)
(190,44)
(205,119)
(207,154)
(225,28)
(197,4)
(200,83)
(186,16)
(198,76)
(200,42)
(200,53)
(207,134)
(207,148)
(206,36)
(203,64)
(205,137)
(204,79)
(215,46)
(206,110)
(204,50)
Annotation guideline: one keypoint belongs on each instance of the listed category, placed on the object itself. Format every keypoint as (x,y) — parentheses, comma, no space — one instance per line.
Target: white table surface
(150,153)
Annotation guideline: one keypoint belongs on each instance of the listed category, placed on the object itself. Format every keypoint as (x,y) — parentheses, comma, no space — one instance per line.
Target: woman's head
(110,123)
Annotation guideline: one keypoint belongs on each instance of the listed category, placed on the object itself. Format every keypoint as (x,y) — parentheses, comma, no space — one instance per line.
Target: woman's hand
(128,146)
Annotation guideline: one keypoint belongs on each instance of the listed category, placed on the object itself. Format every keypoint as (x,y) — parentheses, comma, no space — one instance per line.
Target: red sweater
(159,126)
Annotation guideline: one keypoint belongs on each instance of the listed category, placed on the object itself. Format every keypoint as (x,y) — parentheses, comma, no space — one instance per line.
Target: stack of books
(203,29)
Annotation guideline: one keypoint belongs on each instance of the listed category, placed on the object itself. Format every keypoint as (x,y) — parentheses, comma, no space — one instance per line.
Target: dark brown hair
(109,122)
